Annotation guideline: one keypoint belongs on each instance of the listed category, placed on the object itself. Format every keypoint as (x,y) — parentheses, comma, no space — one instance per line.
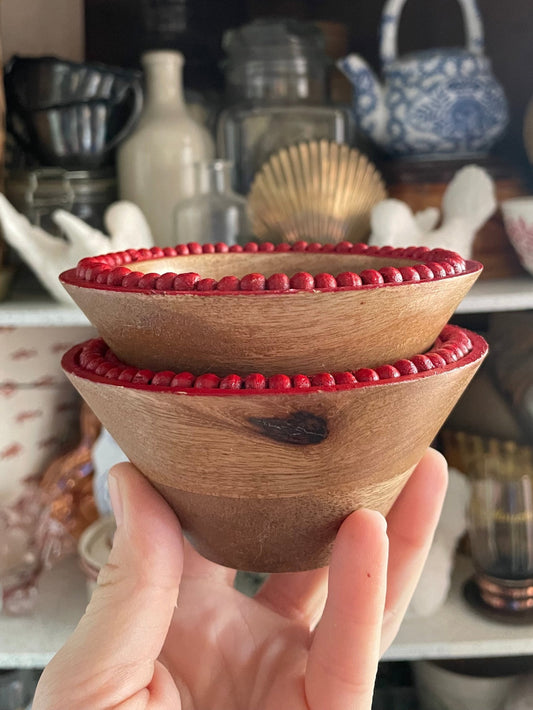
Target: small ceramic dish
(285,308)
(518,219)
(261,470)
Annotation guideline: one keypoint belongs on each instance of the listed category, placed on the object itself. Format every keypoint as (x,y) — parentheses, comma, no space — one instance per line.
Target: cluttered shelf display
(290,199)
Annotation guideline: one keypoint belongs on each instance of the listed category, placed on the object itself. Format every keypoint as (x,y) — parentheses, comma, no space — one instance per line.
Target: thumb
(118,640)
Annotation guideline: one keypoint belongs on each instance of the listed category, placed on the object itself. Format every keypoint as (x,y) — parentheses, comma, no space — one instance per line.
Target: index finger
(345,652)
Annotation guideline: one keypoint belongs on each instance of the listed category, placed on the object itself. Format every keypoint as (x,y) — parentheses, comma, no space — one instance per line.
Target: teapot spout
(368,100)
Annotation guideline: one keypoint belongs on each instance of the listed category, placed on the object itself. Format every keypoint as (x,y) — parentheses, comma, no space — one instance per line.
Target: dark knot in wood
(299,428)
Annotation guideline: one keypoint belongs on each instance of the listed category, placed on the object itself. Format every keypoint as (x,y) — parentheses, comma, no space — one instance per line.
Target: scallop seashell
(318,191)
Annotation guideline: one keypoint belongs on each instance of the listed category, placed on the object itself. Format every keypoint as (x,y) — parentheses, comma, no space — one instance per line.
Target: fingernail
(116,499)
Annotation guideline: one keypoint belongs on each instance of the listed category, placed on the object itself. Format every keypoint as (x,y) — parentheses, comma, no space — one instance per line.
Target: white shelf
(499,295)
(455,631)
(31,641)
(486,296)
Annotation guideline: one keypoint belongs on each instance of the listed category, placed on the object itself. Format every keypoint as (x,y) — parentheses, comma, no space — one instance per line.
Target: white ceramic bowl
(518,218)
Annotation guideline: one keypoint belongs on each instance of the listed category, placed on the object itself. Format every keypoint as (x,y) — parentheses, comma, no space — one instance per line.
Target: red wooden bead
(371,250)
(279,382)
(185,282)
(365,374)
(91,272)
(256,381)
(437,268)
(84,357)
(221,248)
(102,276)
(114,372)
(147,282)
(325,281)
(300,245)
(142,377)
(419,252)
(194,248)
(207,380)
(253,282)
(283,247)
(144,254)
(409,273)
(111,357)
(163,378)
(302,281)
(436,359)
(387,372)
(458,264)
(206,285)
(328,248)
(183,250)
(323,379)
(397,253)
(448,268)
(102,368)
(157,252)
(344,247)
(170,251)
(371,276)
(94,362)
(127,374)
(208,248)
(386,250)
(359,248)
(236,249)
(231,382)
(391,275)
(183,379)
(278,282)
(132,279)
(301,382)
(134,253)
(344,378)
(314,248)
(251,247)
(422,363)
(266,246)
(447,355)
(349,279)
(166,281)
(228,283)
(425,272)
(405,367)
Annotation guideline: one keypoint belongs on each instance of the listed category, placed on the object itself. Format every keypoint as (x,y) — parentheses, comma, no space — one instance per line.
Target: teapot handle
(390,21)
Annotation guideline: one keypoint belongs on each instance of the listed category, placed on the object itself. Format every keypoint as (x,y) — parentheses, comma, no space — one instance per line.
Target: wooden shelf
(38,310)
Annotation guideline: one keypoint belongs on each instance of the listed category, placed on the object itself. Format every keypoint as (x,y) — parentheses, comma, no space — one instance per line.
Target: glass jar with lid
(276,73)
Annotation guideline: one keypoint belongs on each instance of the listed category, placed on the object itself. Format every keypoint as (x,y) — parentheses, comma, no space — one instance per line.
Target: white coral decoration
(48,255)
(467,204)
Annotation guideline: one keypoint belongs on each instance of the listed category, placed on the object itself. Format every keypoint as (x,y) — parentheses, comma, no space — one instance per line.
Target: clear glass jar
(276,89)
(216,213)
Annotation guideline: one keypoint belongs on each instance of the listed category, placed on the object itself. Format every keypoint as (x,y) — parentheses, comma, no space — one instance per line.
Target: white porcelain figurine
(48,255)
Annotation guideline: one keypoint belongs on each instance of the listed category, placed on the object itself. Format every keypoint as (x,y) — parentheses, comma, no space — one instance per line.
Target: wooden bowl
(154,309)
(261,472)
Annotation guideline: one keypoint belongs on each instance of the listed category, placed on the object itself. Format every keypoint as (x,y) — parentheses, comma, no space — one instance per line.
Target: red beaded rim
(95,361)
(117,271)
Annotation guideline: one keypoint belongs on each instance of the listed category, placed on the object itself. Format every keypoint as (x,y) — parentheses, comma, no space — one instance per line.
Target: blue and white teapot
(440,102)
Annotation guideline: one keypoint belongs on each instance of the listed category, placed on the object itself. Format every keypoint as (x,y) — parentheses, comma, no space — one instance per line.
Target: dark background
(116,33)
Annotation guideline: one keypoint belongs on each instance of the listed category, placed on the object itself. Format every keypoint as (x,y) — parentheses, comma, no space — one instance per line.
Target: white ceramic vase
(155,164)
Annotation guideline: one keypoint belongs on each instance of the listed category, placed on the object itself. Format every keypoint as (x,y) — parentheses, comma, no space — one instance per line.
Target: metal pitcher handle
(390,21)
(138,100)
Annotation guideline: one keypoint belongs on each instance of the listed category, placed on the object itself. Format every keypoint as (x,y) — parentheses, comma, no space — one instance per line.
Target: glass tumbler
(500,521)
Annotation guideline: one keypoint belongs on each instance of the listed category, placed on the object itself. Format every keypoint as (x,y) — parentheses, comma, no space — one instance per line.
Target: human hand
(166,630)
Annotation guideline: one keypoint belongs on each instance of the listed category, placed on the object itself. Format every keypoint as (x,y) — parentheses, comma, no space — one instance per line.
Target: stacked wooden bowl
(268,391)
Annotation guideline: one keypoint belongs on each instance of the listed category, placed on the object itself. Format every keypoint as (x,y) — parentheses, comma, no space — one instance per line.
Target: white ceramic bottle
(155,164)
